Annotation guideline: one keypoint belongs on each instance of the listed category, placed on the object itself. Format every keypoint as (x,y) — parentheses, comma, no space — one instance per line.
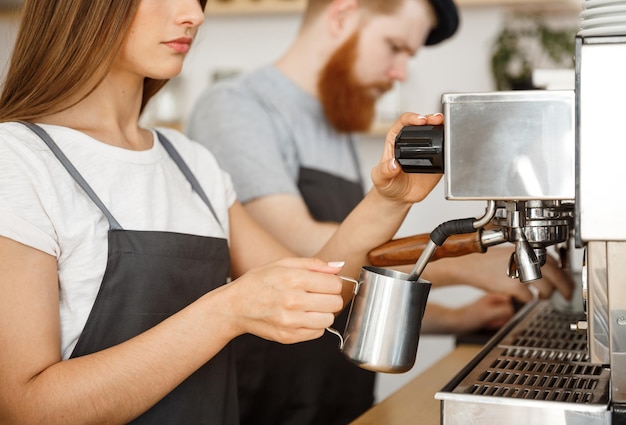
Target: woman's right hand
(288,301)
(389,179)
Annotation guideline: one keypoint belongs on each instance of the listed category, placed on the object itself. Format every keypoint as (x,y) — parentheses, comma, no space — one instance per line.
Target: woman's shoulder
(178,139)
(11,130)
(17,138)
(199,159)
(14,131)
(189,149)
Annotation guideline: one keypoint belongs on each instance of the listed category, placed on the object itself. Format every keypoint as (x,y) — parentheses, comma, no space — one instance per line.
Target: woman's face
(159,38)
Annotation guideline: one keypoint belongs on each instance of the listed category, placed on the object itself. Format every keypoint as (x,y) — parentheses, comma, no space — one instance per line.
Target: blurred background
(500,45)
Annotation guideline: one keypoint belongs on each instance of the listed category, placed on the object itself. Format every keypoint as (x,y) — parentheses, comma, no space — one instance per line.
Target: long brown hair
(63,50)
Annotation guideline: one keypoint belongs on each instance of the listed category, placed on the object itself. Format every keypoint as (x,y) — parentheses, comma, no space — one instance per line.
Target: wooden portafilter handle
(407,250)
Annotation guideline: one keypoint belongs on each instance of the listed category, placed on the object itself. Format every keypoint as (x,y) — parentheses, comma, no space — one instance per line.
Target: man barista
(286,134)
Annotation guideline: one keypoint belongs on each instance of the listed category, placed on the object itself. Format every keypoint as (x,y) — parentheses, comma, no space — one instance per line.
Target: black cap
(447,21)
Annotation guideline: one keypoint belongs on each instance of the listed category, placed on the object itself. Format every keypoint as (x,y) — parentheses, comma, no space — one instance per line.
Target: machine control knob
(419,149)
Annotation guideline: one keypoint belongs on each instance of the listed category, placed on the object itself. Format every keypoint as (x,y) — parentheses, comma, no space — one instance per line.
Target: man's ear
(343,16)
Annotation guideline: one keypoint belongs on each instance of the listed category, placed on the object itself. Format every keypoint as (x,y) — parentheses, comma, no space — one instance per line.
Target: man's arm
(287,217)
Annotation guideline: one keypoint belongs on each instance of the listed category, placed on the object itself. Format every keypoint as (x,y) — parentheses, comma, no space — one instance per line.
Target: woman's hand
(288,301)
(388,177)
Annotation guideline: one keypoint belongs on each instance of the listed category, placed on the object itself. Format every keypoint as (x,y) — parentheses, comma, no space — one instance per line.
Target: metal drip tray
(534,371)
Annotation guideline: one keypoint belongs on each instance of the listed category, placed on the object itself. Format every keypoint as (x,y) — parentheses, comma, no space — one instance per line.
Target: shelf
(528,5)
(251,7)
(9,13)
(259,7)
(532,3)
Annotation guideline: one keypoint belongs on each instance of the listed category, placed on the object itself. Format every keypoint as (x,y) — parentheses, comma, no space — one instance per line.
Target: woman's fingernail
(438,114)
(393,164)
(337,264)
(422,117)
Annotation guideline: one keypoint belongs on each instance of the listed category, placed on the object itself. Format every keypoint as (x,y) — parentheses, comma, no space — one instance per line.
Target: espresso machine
(549,165)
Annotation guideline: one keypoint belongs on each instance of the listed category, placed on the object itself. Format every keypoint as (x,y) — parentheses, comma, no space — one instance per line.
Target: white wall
(8,31)
(460,64)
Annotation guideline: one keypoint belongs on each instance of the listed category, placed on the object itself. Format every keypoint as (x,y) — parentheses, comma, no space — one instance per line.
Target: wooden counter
(415,402)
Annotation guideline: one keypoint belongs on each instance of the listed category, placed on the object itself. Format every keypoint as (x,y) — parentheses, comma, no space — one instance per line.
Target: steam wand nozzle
(449,228)
(438,237)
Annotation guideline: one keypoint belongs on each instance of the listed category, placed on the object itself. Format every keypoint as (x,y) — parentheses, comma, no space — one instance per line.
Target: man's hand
(490,311)
(488,272)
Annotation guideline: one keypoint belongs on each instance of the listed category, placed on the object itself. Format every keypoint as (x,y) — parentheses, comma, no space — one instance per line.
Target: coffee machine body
(553,161)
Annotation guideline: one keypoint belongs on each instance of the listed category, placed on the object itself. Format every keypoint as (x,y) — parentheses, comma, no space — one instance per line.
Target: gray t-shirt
(262,128)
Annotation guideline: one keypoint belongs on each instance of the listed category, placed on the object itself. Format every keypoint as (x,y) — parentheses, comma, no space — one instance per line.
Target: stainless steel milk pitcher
(383,327)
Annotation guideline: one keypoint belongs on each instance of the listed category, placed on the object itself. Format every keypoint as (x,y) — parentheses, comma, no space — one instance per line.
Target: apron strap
(184,168)
(113,224)
(357,162)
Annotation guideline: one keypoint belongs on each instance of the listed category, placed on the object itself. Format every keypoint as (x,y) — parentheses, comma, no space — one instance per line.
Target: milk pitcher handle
(335,331)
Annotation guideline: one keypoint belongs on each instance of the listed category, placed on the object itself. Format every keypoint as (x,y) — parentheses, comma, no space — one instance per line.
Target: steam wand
(449,228)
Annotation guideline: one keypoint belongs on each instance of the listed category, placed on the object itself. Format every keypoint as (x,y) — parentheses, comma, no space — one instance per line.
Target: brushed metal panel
(602,141)
(517,145)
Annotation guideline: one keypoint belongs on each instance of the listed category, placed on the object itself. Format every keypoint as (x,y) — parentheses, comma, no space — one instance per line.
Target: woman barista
(117,242)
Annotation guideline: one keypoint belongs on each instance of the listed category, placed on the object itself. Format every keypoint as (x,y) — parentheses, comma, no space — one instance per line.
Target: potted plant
(525,43)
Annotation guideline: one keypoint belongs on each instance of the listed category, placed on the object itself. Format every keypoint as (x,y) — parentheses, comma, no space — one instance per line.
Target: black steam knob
(419,149)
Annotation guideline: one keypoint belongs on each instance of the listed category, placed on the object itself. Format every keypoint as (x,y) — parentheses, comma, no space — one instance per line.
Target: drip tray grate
(539,379)
(539,359)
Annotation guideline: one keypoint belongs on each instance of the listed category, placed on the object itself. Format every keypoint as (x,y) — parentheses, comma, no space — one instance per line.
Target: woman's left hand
(388,177)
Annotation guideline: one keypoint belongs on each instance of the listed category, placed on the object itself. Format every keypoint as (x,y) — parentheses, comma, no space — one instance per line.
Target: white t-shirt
(43,207)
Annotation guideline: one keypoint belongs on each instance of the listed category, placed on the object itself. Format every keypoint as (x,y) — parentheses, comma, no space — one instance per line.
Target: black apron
(310,383)
(149,276)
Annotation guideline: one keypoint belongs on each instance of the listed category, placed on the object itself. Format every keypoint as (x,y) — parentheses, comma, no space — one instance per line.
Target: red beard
(349,105)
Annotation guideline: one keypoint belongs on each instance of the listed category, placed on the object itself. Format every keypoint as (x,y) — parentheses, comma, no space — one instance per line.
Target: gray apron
(149,276)
(310,383)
